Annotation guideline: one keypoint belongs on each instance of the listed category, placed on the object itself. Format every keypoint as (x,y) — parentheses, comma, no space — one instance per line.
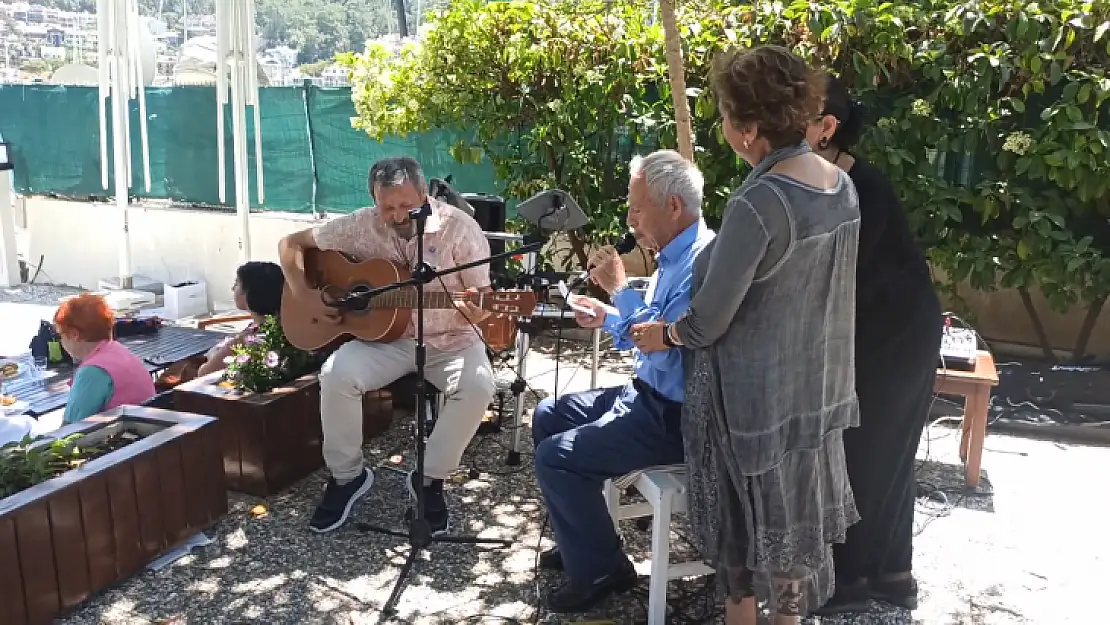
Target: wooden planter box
(70,537)
(271,440)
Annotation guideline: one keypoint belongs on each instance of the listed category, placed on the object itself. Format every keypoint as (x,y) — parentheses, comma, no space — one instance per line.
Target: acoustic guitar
(382,318)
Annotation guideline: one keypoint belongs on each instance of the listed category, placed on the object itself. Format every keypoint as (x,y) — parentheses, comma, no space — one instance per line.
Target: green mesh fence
(343,155)
(184,143)
(312,158)
(54,137)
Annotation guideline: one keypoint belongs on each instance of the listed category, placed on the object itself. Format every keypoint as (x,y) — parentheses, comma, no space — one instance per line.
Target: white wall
(80,241)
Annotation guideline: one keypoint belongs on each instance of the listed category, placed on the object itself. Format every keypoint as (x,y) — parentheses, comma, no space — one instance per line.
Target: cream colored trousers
(465,377)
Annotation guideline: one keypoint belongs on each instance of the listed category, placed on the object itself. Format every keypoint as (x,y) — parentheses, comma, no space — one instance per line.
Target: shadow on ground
(942,483)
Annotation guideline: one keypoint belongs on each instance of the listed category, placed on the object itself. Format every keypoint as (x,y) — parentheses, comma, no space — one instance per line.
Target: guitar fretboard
(406,298)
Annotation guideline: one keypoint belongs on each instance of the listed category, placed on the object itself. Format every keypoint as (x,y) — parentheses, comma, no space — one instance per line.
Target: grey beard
(405,230)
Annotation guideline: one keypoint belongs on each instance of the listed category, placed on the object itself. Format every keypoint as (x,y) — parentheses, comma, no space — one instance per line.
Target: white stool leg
(660,558)
(613,502)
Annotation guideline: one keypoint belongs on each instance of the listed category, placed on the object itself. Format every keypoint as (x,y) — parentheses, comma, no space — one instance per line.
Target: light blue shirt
(668,296)
(92,388)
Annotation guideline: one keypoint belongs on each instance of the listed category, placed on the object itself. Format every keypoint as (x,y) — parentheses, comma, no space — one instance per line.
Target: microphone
(624,246)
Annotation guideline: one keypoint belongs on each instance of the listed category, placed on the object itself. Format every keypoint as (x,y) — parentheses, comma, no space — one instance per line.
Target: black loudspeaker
(490,213)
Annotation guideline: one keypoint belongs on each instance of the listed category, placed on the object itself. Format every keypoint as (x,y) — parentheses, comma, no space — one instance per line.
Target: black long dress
(898,328)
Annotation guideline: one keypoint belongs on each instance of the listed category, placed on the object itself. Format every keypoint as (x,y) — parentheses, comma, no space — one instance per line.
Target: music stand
(419,532)
(553,209)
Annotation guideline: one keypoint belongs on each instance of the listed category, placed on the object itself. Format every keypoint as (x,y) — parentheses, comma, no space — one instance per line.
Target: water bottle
(38,373)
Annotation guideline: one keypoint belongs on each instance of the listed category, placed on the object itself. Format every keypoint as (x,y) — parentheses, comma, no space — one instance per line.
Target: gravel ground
(1027,547)
(981,559)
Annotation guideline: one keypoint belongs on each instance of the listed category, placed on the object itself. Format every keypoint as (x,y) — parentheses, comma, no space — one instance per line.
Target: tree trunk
(1038,327)
(676,71)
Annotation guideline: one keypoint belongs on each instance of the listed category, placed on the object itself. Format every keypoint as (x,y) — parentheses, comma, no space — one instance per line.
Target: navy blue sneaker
(435,506)
(335,507)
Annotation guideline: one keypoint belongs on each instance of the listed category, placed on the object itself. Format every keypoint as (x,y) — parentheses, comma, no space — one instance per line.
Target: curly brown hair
(771,87)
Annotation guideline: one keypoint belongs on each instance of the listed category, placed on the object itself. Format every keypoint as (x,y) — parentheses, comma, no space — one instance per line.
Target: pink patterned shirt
(451,238)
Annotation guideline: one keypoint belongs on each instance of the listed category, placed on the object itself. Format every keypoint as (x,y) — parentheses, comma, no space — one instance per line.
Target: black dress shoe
(574,598)
(855,597)
(900,592)
(552,559)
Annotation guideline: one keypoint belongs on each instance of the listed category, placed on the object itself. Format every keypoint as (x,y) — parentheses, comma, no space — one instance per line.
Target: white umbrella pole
(236,58)
(119,107)
(9,259)
(120,82)
(242,172)
(222,12)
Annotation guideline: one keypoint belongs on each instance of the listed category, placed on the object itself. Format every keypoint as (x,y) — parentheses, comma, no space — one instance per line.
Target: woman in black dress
(898,329)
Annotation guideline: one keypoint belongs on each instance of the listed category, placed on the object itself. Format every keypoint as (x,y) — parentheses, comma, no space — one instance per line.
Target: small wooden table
(975,387)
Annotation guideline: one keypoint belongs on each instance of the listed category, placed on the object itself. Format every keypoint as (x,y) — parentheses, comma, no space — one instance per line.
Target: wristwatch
(670,336)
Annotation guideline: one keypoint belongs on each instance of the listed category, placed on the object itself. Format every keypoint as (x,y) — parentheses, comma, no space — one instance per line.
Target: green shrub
(990,116)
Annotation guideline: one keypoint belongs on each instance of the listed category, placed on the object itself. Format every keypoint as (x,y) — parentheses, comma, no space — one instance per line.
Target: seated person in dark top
(257,289)
(108,374)
(583,439)
(898,328)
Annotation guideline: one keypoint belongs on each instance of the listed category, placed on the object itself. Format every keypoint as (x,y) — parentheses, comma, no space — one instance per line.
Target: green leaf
(1084,93)
(1070,92)
(1018,105)
(1022,250)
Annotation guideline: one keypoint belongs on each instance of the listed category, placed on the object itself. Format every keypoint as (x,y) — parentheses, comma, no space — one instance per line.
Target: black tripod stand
(419,532)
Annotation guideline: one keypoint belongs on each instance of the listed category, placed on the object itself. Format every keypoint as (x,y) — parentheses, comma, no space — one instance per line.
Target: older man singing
(583,439)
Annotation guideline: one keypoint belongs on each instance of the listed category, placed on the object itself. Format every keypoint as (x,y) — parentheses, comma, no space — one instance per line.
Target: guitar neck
(406,298)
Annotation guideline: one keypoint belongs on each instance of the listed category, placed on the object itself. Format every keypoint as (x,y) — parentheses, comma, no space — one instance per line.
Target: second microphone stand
(419,532)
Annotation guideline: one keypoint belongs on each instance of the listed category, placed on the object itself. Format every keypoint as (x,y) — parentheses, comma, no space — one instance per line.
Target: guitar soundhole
(363,305)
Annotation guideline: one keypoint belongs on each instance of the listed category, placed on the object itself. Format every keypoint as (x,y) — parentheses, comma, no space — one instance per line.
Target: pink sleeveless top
(131,383)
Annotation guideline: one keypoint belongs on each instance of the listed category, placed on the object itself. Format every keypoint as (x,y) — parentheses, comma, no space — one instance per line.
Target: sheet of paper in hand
(570,297)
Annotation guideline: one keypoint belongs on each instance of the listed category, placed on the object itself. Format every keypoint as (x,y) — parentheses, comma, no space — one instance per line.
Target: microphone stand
(419,532)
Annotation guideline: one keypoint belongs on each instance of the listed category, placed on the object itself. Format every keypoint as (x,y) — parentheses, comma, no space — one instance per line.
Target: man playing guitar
(457,363)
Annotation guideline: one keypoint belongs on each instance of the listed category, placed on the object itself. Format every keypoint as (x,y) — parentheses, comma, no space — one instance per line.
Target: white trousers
(465,377)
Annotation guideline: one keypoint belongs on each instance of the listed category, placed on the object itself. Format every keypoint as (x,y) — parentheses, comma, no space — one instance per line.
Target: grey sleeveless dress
(771,386)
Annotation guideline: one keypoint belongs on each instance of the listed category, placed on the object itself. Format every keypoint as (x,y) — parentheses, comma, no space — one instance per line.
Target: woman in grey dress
(771,385)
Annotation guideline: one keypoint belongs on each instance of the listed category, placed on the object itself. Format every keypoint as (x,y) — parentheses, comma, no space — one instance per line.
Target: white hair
(667,174)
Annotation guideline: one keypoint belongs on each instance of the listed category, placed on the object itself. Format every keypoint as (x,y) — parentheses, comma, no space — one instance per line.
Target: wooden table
(975,387)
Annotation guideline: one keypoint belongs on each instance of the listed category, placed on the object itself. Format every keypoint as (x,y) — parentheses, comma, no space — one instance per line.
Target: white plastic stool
(664,488)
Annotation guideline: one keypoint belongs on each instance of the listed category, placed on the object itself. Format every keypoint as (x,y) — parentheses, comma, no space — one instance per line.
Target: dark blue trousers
(583,439)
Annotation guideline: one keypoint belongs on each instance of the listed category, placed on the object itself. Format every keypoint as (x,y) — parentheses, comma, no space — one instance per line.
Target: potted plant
(92,503)
(268,405)
(265,360)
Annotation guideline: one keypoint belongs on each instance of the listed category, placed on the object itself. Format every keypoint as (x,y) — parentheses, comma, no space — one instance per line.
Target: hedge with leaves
(989,116)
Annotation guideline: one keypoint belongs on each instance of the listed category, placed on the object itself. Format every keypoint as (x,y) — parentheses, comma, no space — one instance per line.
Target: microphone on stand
(624,246)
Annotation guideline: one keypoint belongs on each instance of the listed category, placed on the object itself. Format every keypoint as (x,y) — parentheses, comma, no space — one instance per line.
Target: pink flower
(253,340)
(272,359)
(243,359)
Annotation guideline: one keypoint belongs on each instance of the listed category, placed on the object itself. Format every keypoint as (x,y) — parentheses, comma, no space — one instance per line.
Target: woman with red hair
(108,374)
